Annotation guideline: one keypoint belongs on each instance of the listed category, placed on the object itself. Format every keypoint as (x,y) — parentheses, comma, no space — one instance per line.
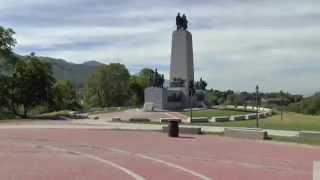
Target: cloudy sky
(237,43)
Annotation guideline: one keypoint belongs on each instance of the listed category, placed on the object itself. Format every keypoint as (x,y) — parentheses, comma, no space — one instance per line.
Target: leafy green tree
(233,99)
(64,96)
(311,106)
(138,83)
(143,77)
(109,86)
(30,85)
(216,97)
(5,85)
(7,43)
(90,94)
(212,96)
(136,91)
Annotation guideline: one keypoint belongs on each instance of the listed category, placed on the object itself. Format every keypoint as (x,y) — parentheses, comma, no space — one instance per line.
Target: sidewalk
(100,124)
(156,127)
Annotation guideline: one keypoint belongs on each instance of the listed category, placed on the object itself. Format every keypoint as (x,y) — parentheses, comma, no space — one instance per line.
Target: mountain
(62,69)
(92,63)
(76,73)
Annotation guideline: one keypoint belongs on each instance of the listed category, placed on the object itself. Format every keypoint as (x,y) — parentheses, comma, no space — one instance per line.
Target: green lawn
(294,140)
(214,112)
(291,121)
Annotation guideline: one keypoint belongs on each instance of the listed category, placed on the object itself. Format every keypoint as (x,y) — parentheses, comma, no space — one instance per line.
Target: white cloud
(236,43)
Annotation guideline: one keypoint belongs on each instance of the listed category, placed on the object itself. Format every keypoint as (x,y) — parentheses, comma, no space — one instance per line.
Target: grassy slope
(291,121)
(214,112)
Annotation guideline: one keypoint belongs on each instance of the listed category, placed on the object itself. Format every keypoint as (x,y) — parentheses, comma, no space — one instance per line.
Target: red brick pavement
(99,154)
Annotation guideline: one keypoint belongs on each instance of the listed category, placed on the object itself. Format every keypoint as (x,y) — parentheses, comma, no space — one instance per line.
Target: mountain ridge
(77,74)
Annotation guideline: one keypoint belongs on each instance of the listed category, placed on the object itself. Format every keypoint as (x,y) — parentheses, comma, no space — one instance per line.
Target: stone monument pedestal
(157,96)
(181,65)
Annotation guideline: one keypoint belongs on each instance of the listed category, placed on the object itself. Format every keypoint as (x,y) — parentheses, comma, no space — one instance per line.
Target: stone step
(257,134)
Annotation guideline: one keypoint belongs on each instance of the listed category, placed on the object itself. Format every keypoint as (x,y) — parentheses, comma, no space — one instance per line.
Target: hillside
(64,70)
(76,73)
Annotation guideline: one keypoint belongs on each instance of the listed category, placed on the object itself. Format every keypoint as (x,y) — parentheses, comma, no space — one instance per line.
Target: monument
(181,66)
(182,91)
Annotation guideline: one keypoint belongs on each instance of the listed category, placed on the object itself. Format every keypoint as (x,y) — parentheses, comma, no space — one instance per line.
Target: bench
(246,133)
(312,136)
(184,130)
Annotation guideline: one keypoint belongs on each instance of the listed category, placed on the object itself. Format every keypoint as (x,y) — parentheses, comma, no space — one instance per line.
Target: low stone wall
(184,130)
(139,120)
(198,120)
(269,113)
(116,119)
(246,133)
(237,118)
(148,107)
(263,113)
(309,136)
(220,119)
(250,116)
(166,120)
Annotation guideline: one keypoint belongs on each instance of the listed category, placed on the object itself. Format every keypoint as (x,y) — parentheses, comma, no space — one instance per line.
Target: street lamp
(191,93)
(257,106)
(281,94)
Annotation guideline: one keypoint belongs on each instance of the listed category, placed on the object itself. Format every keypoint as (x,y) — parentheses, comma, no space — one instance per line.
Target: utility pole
(257,106)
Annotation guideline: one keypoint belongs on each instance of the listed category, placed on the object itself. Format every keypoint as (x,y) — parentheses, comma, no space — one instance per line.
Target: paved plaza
(61,151)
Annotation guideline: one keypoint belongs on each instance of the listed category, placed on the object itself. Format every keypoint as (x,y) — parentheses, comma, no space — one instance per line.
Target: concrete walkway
(156,127)
(101,124)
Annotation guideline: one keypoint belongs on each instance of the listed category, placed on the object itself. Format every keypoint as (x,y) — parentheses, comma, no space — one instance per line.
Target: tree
(233,99)
(30,85)
(138,83)
(108,86)
(5,84)
(136,91)
(143,77)
(7,43)
(64,96)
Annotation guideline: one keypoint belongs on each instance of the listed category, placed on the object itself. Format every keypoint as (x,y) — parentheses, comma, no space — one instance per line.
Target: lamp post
(281,94)
(191,93)
(257,106)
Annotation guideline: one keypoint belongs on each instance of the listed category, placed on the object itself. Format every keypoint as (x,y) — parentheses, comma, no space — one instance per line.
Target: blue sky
(237,43)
